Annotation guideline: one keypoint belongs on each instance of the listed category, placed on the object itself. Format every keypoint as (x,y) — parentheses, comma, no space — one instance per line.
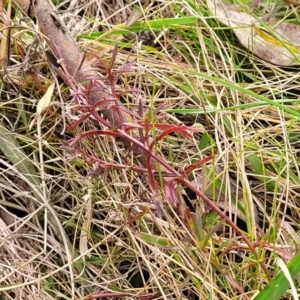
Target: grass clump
(84,217)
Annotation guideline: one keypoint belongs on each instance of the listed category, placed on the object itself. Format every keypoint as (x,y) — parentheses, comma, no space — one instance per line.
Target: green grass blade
(12,150)
(157,24)
(155,240)
(278,285)
(242,90)
(229,108)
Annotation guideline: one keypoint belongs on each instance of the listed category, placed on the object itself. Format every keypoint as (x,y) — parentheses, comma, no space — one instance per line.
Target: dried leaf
(137,13)
(134,16)
(45,100)
(170,191)
(85,230)
(289,233)
(279,46)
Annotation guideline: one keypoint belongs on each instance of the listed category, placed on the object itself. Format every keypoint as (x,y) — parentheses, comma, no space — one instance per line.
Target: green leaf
(278,285)
(245,91)
(14,153)
(153,239)
(157,24)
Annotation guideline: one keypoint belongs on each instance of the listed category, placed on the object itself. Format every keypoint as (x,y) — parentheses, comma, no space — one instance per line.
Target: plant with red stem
(143,146)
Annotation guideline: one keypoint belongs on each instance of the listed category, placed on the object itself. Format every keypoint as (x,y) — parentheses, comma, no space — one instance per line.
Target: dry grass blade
(82,216)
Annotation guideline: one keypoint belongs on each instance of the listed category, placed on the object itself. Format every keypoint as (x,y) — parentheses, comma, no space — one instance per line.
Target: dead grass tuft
(70,229)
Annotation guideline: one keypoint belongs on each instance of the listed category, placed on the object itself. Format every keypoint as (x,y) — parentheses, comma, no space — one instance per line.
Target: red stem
(185,181)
